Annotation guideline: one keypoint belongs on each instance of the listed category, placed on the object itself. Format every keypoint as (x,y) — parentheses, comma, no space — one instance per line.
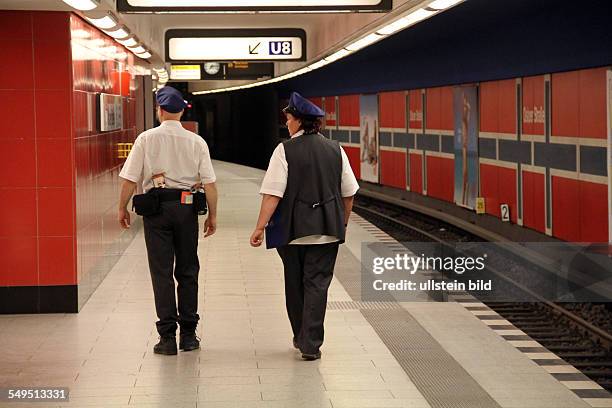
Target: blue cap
(300,106)
(170,99)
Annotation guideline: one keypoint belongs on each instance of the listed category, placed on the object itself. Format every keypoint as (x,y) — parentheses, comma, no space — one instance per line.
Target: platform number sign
(505,212)
(281,48)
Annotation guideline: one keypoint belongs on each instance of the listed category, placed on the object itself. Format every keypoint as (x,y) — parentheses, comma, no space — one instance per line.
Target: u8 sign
(280,48)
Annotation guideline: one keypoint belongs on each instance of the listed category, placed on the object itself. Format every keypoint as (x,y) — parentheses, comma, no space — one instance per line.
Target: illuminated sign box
(110,112)
(185,72)
(177,6)
(194,45)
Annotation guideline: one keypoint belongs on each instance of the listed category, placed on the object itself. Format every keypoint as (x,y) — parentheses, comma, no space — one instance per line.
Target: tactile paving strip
(351,305)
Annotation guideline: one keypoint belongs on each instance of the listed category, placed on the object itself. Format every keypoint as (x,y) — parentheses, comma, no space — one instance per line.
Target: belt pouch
(199,203)
(146,204)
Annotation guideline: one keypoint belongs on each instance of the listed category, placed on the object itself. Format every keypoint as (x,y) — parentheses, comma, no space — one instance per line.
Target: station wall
(542,147)
(60,190)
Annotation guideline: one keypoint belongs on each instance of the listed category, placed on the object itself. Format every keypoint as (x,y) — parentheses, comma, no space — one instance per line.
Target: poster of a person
(465,103)
(369,137)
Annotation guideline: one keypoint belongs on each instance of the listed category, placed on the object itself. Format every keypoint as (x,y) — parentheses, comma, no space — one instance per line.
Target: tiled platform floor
(104,353)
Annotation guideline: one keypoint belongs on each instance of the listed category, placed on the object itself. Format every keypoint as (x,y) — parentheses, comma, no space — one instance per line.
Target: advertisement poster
(368,119)
(465,105)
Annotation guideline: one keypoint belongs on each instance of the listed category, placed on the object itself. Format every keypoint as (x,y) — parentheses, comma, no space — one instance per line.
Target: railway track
(579,333)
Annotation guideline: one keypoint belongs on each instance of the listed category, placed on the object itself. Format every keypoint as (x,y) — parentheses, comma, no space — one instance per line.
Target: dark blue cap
(170,99)
(300,106)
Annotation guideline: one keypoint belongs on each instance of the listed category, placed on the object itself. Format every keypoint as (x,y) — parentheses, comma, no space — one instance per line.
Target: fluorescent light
(104,23)
(128,42)
(318,64)
(410,19)
(442,4)
(80,34)
(137,50)
(364,42)
(144,55)
(121,32)
(337,55)
(83,5)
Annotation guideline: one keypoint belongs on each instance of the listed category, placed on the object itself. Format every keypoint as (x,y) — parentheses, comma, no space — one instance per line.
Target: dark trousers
(308,273)
(172,245)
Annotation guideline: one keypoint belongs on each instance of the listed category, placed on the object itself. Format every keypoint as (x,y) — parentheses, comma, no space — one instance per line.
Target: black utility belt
(150,203)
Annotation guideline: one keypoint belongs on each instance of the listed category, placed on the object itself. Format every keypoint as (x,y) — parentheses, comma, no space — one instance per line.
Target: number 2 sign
(505,212)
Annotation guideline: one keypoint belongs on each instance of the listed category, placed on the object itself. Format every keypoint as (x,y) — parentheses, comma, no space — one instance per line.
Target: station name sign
(270,44)
(178,6)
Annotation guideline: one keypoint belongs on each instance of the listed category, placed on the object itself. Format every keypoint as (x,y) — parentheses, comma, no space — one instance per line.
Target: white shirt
(182,156)
(275,183)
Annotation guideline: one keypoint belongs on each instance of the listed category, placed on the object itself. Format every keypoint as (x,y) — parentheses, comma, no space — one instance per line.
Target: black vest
(312,203)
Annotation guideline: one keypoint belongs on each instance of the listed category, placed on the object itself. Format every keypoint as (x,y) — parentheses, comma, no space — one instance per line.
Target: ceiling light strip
(400,23)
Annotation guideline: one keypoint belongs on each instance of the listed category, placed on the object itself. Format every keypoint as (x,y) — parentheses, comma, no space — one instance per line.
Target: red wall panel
(507,190)
(565,208)
(57,261)
(348,107)
(37,148)
(489,106)
(330,111)
(440,178)
(51,145)
(489,188)
(432,109)
(385,109)
(507,106)
(317,101)
(447,120)
(498,106)
(416,173)
(415,105)
(593,212)
(593,121)
(534,201)
(353,155)
(498,186)
(399,110)
(392,110)
(17,66)
(18,264)
(565,109)
(393,168)
(533,105)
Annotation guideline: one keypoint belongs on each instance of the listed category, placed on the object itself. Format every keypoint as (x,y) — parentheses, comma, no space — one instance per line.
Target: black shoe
(189,342)
(295,345)
(166,346)
(311,357)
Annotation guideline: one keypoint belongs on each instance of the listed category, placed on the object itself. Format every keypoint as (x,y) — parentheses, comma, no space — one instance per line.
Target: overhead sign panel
(177,6)
(185,72)
(222,71)
(236,45)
